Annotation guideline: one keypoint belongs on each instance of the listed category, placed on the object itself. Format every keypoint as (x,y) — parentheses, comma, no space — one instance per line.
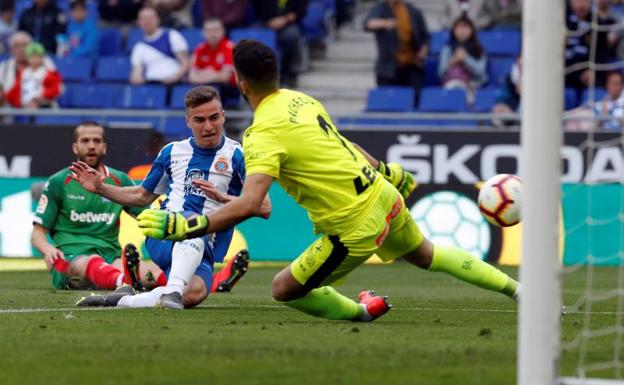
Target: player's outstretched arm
(39,240)
(392,172)
(173,226)
(92,180)
(214,193)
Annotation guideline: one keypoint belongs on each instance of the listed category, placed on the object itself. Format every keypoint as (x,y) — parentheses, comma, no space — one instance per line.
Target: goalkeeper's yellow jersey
(293,139)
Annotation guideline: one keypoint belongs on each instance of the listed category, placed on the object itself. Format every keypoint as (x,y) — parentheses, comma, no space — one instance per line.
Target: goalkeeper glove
(161,224)
(401,179)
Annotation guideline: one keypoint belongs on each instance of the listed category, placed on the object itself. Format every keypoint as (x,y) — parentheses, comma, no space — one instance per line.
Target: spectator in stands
(463,63)
(283,17)
(476,10)
(232,13)
(173,13)
(578,20)
(162,53)
(118,13)
(43,21)
(11,69)
(39,86)
(8,25)
(606,41)
(610,105)
(212,61)
(402,43)
(508,96)
(82,33)
(506,13)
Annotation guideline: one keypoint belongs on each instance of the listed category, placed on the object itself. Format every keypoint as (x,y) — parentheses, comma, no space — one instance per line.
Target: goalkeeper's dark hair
(89,123)
(200,95)
(257,64)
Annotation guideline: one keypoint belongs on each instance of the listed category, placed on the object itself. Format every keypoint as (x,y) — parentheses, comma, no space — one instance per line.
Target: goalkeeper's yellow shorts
(389,231)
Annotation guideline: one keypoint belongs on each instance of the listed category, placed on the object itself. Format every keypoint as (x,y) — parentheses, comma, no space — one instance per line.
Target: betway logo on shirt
(90,217)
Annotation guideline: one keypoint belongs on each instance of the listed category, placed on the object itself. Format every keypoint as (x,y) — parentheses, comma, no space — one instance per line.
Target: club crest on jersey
(221,164)
(189,187)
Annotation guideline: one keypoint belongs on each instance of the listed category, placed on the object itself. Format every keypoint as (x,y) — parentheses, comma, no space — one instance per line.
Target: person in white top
(162,55)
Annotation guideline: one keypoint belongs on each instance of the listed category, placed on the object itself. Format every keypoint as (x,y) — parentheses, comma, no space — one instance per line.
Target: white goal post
(540,170)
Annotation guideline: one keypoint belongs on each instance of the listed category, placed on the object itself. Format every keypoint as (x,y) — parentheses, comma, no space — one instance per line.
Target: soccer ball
(499,200)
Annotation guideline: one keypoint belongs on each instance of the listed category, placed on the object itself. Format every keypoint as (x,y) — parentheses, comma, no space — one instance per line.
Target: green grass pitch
(440,331)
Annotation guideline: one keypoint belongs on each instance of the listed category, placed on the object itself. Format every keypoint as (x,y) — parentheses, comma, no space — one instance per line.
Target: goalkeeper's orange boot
(130,260)
(374,305)
(226,278)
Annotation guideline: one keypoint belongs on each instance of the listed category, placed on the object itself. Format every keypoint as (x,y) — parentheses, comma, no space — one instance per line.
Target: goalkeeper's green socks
(465,266)
(325,302)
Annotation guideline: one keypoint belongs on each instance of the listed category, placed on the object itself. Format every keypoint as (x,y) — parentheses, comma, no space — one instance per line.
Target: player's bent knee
(422,256)
(195,293)
(78,266)
(285,288)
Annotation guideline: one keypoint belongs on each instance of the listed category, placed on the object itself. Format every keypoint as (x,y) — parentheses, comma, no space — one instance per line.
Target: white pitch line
(394,309)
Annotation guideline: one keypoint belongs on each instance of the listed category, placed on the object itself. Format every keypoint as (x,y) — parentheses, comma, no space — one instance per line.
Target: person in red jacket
(212,61)
(37,85)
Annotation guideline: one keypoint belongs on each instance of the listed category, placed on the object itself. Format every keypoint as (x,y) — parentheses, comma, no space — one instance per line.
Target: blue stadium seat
(599,93)
(500,42)
(265,35)
(498,69)
(484,99)
(110,42)
(59,120)
(569,99)
(431,72)
(390,99)
(177,96)
(438,99)
(315,22)
(153,96)
(175,127)
(74,69)
(113,69)
(95,95)
(197,13)
(437,41)
(134,35)
(193,36)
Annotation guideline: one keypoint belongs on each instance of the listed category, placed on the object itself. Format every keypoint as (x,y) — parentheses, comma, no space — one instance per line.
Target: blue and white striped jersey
(178,163)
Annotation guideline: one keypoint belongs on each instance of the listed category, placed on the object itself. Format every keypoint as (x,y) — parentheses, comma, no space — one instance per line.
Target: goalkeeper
(292,139)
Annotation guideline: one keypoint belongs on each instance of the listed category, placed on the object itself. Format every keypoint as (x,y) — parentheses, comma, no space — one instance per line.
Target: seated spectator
(283,16)
(82,34)
(11,69)
(232,13)
(508,96)
(118,13)
(609,110)
(578,22)
(173,13)
(506,13)
(43,21)
(463,63)
(162,53)
(7,24)
(39,86)
(402,44)
(606,40)
(476,10)
(612,104)
(212,62)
